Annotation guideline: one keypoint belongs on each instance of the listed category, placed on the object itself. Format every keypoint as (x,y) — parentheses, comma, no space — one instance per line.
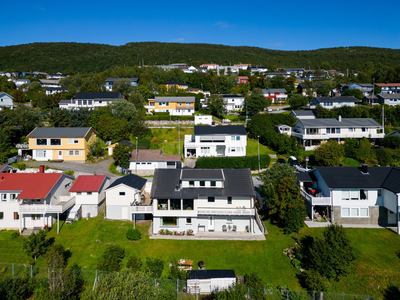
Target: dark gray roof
(238,182)
(336,99)
(304,177)
(66,102)
(131,180)
(59,132)
(223,130)
(98,95)
(352,177)
(346,122)
(389,96)
(208,274)
(175,99)
(394,133)
(116,79)
(303,112)
(174,82)
(392,182)
(197,174)
(274,91)
(56,89)
(231,96)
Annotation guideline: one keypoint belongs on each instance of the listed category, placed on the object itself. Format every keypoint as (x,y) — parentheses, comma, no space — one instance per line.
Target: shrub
(21,166)
(15,235)
(294,219)
(134,263)
(154,266)
(69,172)
(233,162)
(133,234)
(383,157)
(312,281)
(111,258)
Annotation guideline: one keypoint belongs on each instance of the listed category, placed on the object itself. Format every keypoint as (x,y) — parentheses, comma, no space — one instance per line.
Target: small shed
(209,281)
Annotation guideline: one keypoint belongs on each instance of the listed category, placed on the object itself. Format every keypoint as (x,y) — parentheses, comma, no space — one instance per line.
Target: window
(3,197)
(89,193)
(188,220)
(233,149)
(211,199)
(79,102)
(229,200)
(84,102)
(73,141)
(169,221)
(35,217)
(353,194)
(213,183)
(345,195)
(205,149)
(55,142)
(328,130)
(363,195)
(238,138)
(354,212)
(71,152)
(352,129)
(122,193)
(363,212)
(229,219)
(345,212)
(202,183)
(79,193)
(13,197)
(232,138)
(237,149)
(90,102)
(191,183)
(76,152)
(363,129)
(41,142)
(337,130)
(333,130)
(1,215)
(16,216)
(40,153)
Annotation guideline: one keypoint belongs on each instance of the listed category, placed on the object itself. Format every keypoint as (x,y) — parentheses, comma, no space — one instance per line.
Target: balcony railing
(226,211)
(66,202)
(142,209)
(315,200)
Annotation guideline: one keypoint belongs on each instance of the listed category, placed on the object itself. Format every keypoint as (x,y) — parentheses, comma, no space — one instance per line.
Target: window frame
(211,199)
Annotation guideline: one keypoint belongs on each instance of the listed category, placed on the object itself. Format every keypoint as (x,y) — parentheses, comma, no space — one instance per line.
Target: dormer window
(213,183)
(191,182)
(202,183)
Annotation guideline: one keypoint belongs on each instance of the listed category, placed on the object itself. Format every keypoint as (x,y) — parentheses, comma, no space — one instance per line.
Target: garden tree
(121,155)
(111,258)
(6,86)
(278,82)
(383,156)
(97,148)
(354,92)
(97,114)
(294,219)
(256,103)
(15,288)
(216,105)
(377,90)
(113,129)
(137,100)
(18,95)
(256,285)
(364,152)
(154,266)
(329,153)
(332,255)
(297,101)
(312,281)
(323,87)
(227,83)
(36,244)
(134,263)
(289,83)
(391,141)
(349,147)
(273,176)
(124,86)
(241,89)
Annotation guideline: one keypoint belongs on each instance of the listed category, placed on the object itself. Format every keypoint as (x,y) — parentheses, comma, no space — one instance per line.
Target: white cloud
(177,40)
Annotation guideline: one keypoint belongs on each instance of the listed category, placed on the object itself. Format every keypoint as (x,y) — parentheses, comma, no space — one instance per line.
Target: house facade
(242,79)
(366,88)
(213,200)
(311,133)
(110,82)
(389,99)
(175,106)
(33,200)
(145,161)
(90,100)
(303,114)
(354,195)
(333,102)
(233,102)
(60,143)
(216,141)
(389,88)
(6,100)
(175,84)
(277,95)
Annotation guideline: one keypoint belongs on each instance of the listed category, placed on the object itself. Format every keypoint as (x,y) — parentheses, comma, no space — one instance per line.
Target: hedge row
(244,162)
(167,118)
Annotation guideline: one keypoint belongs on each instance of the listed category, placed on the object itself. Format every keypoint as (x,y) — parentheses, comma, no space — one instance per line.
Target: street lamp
(136,158)
(258,142)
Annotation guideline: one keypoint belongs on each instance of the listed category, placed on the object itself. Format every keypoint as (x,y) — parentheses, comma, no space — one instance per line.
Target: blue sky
(281,25)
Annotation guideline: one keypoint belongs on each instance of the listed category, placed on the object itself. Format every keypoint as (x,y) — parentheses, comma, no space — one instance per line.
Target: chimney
(339,118)
(41,169)
(364,168)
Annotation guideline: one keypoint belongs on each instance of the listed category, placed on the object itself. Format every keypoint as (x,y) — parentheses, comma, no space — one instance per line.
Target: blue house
(110,82)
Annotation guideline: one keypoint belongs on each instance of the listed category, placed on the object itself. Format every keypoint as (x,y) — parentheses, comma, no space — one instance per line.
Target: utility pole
(136,157)
(258,141)
(179,134)
(373,86)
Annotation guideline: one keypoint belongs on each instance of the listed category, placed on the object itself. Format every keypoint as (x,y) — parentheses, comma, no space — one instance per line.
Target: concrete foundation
(377,216)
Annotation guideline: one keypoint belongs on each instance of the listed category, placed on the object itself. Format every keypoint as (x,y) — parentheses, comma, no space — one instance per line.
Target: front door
(392,218)
(211,224)
(60,154)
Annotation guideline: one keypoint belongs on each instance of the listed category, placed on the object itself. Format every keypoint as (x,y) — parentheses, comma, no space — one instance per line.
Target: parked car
(281,161)
(293,161)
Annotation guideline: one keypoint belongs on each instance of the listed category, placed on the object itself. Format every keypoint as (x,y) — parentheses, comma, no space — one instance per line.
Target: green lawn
(376,264)
(252,148)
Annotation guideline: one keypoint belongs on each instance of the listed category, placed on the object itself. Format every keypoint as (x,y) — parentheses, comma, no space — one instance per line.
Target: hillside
(79,57)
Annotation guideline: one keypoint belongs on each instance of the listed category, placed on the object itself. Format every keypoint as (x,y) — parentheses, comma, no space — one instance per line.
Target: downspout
(331,196)
(398,217)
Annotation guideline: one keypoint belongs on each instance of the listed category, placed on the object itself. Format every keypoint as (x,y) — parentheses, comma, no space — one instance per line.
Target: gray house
(389,99)
(6,100)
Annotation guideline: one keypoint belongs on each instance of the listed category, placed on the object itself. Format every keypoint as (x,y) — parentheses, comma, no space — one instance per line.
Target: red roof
(387,84)
(88,183)
(31,185)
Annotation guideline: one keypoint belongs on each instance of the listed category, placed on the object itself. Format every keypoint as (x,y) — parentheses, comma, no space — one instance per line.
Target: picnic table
(185,264)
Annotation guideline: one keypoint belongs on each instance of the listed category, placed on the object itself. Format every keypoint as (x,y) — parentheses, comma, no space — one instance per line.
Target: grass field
(376,265)
(252,148)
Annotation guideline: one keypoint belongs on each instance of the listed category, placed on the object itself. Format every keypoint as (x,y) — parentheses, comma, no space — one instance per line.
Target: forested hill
(71,58)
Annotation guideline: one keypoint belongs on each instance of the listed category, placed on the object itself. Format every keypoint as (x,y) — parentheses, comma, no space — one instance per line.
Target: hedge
(167,118)
(233,162)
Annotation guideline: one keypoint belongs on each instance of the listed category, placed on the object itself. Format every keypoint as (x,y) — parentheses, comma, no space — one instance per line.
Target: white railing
(315,200)
(344,135)
(142,209)
(60,207)
(226,211)
(260,224)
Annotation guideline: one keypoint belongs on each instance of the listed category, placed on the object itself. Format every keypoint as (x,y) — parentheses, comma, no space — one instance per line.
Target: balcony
(142,209)
(65,203)
(185,106)
(319,200)
(344,135)
(226,211)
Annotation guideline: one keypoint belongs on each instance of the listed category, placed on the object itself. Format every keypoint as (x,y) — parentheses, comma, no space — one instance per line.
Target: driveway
(100,168)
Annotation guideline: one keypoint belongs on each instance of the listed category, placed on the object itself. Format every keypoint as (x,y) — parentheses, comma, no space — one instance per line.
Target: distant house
(273,74)
(6,100)
(303,114)
(332,102)
(305,90)
(175,84)
(122,196)
(277,95)
(209,66)
(216,141)
(209,281)
(389,88)
(258,69)
(175,106)
(284,129)
(60,143)
(90,100)
(110,82)
(297,71)
(147,160)
(110,148)
(7,169)
(233,102)
(58,76)
(49,82)
(394,133)
(242,79)
(20,82)
(202,120)
(55,90)
(366,88)
(389,99)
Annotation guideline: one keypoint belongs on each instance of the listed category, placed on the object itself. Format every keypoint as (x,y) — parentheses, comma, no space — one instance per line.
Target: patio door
(59,154)
(211,224)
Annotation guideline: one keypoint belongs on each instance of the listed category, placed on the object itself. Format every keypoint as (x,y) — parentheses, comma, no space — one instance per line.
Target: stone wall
(377,216)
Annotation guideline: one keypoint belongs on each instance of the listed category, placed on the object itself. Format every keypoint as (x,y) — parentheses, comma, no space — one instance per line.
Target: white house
(55,90)
(6,100)
(209,281)
(216,141)
(147,160)
(203,120)
(332,102)
(233,102)
(49,82)
(20,82)
(110,82)
(213,200)
(125,195)
(310,133)
(90,100)
(303,114)
(389,99)
(33,200)
(354,195)
(88,191)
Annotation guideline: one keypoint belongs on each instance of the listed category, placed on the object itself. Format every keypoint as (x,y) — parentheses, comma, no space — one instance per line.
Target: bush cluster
(111,258)
(133,234)
(167,118)
(233,162)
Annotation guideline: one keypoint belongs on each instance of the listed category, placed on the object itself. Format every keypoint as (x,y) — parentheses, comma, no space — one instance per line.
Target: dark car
(281,161)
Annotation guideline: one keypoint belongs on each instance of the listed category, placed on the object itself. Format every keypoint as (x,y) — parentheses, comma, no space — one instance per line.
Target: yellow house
(176,106)
(175,84)
(61,143)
